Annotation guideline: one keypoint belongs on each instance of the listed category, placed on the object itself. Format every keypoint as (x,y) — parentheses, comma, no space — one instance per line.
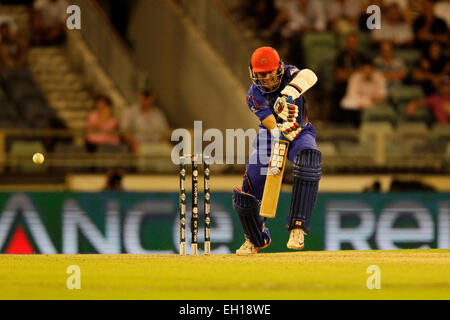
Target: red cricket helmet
(265,59)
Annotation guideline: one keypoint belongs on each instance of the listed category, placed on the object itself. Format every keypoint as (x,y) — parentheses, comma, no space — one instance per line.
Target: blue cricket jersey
(261,104)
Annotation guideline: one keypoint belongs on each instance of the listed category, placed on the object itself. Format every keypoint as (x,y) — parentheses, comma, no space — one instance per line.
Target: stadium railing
(212,20)
(111,50)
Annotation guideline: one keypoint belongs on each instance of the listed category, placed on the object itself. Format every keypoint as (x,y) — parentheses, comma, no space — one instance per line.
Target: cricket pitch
(404,274)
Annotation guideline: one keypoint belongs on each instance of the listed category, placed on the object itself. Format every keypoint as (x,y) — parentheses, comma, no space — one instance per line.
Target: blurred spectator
(300,16)
(264,12)
(442,11)
(296,17)
(439,103)
(114,179)
(394,28)
(394,70)
(10,21)
(366,88)
(13,49)
(432,67)
(144,123)
(403,5)
(48,21)
(102,126)
(428,28)
(348,61)
(343,15)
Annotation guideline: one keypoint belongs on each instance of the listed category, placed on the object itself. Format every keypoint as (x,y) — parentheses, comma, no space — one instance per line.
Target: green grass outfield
(405,274)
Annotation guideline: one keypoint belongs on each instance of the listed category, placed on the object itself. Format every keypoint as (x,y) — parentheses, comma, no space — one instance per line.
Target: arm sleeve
(302,82)
(261,111)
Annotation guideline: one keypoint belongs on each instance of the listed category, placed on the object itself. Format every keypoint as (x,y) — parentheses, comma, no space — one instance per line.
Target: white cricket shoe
(296,239)
(248,248)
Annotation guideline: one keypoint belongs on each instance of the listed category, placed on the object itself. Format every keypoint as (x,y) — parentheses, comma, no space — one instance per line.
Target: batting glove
(289,129)
(286,109)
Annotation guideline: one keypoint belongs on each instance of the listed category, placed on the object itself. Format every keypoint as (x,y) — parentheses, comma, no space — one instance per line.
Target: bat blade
(274,179)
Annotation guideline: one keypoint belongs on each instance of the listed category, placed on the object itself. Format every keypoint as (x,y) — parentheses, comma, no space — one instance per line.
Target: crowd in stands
(140,127)
(367,67)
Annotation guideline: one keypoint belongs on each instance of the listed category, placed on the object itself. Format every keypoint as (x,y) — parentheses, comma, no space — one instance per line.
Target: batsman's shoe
(248,248)
(296,239)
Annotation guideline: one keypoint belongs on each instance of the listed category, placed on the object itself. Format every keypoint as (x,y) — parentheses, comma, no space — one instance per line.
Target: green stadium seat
(159,153)
(317,57)
(402,94)
(447,150)
(351,149)
(378,126)
(409,56)
(433,146)
(441,131)
(21,154)
(326,74)
(397,147)
(368,130)
(318,39)
(412,128)
(121,148)
(380,113)
(422,114)
(68,148)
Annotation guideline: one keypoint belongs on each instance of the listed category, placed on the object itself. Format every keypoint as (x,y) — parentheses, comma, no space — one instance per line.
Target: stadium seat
(68,148)
(318,39)
(409,56)
(371,127)
(433,146)
(397,147)
(380,113)
(368,130)
(159,152)
(351,149)
(441,132)
(121,148)
(403,94)
(447,150)
(421,114)
(408,128)
(317,56)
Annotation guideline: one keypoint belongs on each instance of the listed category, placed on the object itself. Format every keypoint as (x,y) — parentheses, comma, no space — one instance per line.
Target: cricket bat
(274,179)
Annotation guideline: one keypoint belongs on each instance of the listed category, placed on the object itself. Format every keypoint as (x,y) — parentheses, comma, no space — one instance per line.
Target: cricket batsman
(276,98)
